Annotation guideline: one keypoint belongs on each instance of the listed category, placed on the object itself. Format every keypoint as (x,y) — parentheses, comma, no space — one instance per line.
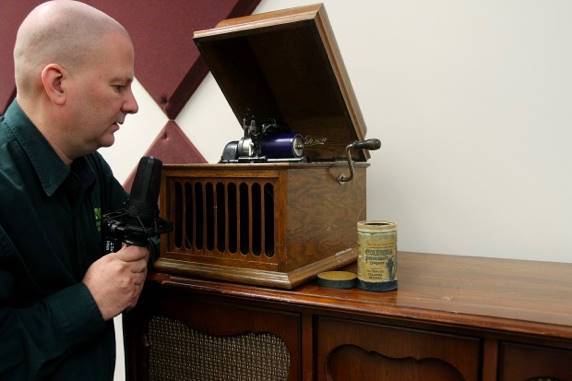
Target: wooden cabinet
(452,318)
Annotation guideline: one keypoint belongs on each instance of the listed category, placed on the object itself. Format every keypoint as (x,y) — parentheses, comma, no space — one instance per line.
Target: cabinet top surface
(500,294)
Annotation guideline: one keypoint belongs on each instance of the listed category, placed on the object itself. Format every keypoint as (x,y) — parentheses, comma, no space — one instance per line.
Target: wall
(472,103)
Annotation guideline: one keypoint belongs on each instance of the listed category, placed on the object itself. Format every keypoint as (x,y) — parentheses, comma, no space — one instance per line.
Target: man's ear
(52,81)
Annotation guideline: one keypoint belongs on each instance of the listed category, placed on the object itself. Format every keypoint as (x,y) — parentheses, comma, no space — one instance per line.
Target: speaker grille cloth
(177,352)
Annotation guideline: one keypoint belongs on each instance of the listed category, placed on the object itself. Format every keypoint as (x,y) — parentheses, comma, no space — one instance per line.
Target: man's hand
(116,280)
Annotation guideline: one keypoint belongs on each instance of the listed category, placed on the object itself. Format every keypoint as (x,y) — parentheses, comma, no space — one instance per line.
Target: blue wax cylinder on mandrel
(283,145)
(377,255)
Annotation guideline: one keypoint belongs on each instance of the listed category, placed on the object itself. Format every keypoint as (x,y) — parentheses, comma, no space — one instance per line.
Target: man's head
(73,68)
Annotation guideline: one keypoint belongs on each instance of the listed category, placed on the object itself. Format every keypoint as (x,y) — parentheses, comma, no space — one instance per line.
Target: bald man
(58,292)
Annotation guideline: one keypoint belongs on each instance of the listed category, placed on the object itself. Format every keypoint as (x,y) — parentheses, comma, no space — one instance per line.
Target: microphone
(139,221)
(142,202)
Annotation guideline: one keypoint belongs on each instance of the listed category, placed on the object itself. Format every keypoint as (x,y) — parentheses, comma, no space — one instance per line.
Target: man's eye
(118,88)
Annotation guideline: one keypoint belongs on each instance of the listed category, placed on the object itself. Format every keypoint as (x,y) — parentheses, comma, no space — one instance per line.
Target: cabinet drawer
(349,350)
(520,362)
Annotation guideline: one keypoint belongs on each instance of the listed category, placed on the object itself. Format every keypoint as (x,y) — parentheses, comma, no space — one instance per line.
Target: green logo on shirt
(97,215)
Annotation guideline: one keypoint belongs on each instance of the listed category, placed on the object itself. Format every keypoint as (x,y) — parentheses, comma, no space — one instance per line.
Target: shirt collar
(51,170)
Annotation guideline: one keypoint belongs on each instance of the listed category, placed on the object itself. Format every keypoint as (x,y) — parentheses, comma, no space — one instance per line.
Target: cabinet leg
(490,360)
(307,347)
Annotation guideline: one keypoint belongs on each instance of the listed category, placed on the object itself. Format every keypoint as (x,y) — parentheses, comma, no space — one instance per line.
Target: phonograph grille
(232,216)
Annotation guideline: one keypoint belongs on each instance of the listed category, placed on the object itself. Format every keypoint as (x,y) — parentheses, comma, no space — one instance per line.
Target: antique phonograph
(283,202)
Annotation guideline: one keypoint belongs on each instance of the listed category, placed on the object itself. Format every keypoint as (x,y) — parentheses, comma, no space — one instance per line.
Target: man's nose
(130,105)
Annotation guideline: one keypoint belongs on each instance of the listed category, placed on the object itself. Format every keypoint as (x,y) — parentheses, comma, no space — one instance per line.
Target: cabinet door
(349,351)
(534,363)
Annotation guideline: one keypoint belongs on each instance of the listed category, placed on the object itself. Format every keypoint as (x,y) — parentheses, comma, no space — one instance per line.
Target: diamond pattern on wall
(167,62)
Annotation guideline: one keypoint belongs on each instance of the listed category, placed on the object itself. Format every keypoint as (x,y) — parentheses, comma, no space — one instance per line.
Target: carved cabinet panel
(350,350)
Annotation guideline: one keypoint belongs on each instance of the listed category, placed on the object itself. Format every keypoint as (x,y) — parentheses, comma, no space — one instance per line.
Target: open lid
(285,66)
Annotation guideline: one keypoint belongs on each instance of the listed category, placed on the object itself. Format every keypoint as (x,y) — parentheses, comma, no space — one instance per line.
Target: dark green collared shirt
(50,223)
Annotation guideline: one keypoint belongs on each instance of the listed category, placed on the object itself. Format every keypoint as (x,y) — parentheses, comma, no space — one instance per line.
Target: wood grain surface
(500,294)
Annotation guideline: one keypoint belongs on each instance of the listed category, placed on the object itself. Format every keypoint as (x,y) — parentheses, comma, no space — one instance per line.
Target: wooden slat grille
(235,216)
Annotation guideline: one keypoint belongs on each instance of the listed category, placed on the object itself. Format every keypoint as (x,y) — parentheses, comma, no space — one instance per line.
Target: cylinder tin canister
(377,255)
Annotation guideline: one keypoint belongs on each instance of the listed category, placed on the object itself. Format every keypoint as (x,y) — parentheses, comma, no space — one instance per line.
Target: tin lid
(337,279)
(286,66)
(376,226)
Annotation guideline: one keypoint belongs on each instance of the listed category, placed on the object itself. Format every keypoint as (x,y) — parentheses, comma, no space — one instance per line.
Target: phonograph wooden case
(274,211)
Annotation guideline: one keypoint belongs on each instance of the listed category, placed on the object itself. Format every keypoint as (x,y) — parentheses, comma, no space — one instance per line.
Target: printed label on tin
(377,261)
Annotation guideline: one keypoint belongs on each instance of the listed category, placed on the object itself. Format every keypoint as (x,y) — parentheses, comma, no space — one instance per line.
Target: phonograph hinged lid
(286,66)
